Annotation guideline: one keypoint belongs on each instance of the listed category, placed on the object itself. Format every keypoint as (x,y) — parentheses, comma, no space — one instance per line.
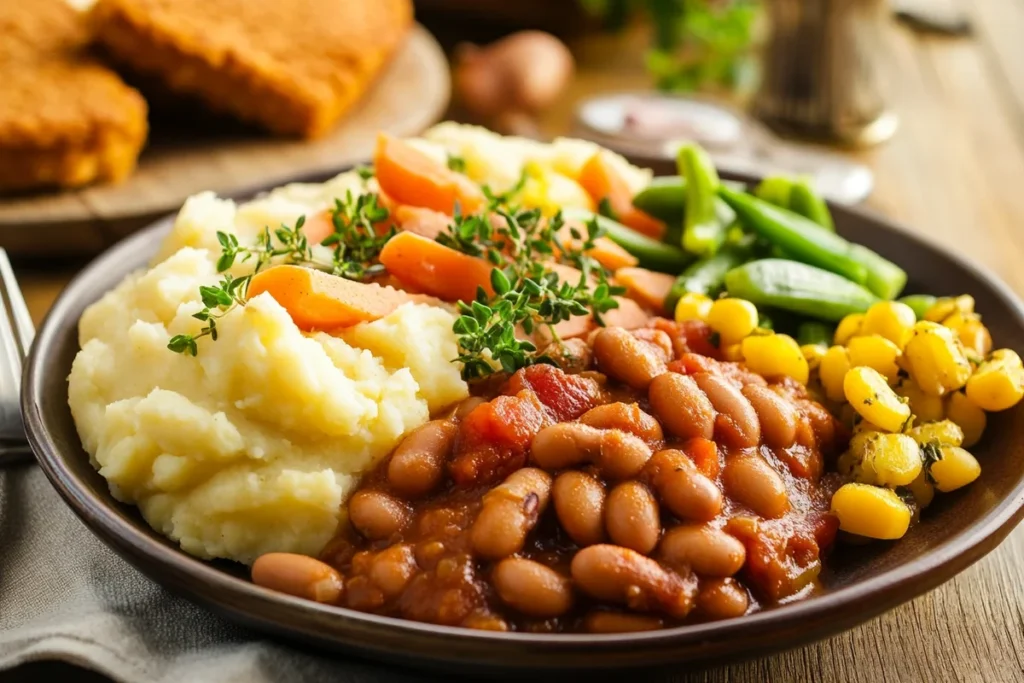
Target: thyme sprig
(218,301)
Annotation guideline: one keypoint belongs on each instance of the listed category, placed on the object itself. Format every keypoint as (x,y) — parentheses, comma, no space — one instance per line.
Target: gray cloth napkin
(65,596)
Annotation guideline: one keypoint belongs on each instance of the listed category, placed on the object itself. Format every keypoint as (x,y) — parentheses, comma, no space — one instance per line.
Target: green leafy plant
(697,44)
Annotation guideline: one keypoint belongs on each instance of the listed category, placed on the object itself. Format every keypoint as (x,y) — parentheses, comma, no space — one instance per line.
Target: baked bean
(704,549)
(682,488)
(821,422)
(417,465)
(465,407)
(736,422)
(658,340)
(377,515)
(681,407)
(618,622)
(624,576)
(617,454)
(485,622)
(579,503)
(722,599)
(532,588)
(778,416)
(391,569)
(298,575)
(510,510)
(571,355)
(631,517)
(626,417)
(624,357)
(751,481)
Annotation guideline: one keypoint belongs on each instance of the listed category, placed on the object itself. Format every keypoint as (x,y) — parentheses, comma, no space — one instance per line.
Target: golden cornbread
(292,67)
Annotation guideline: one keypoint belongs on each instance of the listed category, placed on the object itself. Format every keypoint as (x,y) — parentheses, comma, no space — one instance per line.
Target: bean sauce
(637,485)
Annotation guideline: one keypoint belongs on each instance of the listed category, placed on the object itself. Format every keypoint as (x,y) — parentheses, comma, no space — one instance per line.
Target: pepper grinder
(819,72)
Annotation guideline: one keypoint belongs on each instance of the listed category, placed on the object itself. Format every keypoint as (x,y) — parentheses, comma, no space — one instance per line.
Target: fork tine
(19,311)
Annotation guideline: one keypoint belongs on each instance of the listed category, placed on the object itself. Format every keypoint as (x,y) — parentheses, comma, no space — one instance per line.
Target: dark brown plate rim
(398,640)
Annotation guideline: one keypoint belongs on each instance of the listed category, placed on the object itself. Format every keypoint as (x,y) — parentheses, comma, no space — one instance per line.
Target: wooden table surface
(954,172)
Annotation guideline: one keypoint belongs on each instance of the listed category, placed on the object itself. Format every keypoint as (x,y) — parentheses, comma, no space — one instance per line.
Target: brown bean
(377,515)
(571,355)
(619,622)
(392,568)
(622,356)
(626,417)
(298,575)
(624,576)
(509,512)
(485,622)
(465,407)
(617,454)
(681,487)
(417,465)
(752,482)
(722,599)
(736,423)
(704,549)
(681,407)
(631,517)
(579,503)
(532,588)
(778,416)
(658,340)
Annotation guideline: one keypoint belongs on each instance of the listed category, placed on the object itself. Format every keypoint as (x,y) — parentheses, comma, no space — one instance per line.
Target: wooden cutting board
(411,93)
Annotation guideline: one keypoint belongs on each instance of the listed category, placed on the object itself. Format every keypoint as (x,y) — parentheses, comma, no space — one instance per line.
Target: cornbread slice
(292,67)
(65,120)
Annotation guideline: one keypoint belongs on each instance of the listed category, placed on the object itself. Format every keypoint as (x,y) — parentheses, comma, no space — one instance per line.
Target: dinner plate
(859,583)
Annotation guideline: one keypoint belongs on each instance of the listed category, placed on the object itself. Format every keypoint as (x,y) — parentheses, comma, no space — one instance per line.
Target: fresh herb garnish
(931,453)
(218,301)
(528,293)
(457,163)
(356,245)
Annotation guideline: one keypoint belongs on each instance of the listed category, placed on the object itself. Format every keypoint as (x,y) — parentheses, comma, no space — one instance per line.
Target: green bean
(814,332)
(665,199)
(920,303)
(707,218)
(805,201)
(798,288)
(707,275)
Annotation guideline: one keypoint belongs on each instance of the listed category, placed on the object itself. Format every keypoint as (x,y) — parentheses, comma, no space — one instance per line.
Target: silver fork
(16,333)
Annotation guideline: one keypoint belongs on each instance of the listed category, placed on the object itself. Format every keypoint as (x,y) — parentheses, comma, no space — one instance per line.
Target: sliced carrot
(645,286)
(704,454)
(628,315)
(425,222)
(606,252)
(435,269)
(320,301)
(411,177)
(602,181)
(318,226)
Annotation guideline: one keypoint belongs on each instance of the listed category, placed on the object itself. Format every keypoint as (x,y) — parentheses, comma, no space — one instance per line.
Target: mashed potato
(253,445)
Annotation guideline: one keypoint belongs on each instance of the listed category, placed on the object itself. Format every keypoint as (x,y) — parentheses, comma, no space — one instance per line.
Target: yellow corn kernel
(935,359)
(732,319)
(813,353)
(876,352)
(943,433)
(693,306)
(952,468)
(925,407)
(870,511)
(999,383)
(975,337)
(832,369)
(970,418)
(947,306)
(732,353)
(775,355)
(888,459)
(874,400)
(890,319)
(922,490)
(848,328)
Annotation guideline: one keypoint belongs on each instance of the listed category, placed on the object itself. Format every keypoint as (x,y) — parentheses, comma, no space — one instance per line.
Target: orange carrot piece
(601,181)
(605,251)
(628,315)
(435,269)
(318,226)
(645,286)
(411,177)
(320,301)
(425,222)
